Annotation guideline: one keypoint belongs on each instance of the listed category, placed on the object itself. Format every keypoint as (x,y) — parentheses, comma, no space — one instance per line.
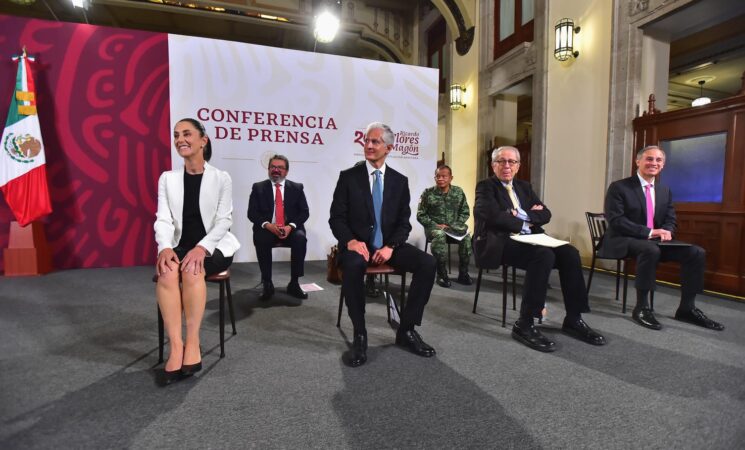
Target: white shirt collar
(644,182)
(371,169)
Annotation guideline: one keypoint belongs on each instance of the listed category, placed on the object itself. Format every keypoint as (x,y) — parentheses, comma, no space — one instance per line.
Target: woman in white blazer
(195,207)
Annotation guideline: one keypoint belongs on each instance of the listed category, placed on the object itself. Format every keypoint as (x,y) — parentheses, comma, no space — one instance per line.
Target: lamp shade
(564,46)
(456,96)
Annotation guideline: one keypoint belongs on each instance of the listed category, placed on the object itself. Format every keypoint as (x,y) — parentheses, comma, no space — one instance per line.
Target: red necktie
(279,207)
(650,206)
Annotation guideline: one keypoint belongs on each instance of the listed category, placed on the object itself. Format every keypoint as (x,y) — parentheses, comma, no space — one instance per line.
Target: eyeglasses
(277,167)
(505,162)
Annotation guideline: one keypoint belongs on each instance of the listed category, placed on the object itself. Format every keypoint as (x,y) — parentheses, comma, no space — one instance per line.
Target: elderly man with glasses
(506,206)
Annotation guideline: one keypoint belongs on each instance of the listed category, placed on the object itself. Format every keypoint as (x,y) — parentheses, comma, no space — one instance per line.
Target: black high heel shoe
(188,370)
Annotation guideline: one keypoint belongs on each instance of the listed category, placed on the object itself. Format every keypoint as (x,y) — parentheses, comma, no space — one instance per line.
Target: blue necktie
(377,195)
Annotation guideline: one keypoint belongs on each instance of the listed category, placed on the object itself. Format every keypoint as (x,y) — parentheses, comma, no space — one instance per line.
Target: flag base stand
(28,252)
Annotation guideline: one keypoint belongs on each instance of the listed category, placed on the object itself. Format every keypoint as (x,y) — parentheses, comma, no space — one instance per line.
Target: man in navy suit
(634,232)
(278,210)
(505,206)
(370,217)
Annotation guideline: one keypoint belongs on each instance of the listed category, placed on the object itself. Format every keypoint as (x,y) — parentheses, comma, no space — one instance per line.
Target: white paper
(541,239)
(455,236)
(310,287)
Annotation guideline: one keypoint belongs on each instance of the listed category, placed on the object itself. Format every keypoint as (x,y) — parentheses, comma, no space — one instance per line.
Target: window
(513,24)
(437,56)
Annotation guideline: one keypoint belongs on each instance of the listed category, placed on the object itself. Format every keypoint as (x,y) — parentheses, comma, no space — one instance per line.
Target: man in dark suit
(278,210)
(370,218)
(641,219)
(507,206)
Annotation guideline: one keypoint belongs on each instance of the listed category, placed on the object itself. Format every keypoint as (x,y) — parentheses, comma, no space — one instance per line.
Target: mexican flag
(23,175)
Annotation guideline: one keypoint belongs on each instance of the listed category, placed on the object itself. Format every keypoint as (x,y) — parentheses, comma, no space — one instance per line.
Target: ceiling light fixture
(701,100)
(326,27)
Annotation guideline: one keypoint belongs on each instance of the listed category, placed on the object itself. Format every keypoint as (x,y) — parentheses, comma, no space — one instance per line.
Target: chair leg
(478,287)
(388,299)
(618,276)
(341,306)
(592,270)
(651,301)
(402,304)
(222,319)
(625,284)
(514,289)
(230,305)
(450,263)
(161,337)
(504,295)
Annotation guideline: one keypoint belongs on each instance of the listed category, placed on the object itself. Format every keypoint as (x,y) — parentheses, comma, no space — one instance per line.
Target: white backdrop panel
(256,101)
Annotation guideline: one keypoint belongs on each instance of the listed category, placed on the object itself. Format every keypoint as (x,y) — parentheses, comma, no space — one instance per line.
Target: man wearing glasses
(278,209)
(506,206)
(370,217)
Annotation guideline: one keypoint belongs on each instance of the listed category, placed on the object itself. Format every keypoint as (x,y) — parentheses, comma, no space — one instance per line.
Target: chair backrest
(597,224)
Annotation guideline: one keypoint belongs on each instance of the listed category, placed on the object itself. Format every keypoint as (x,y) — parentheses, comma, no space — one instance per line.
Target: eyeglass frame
(503,162)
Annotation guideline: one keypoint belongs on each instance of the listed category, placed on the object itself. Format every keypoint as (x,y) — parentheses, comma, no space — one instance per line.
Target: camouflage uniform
(436,207)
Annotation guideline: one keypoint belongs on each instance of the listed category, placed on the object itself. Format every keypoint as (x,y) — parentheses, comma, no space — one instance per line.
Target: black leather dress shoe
(267,292)
(444,281)
(697,317)
(411,340)
(188,370)
(464,278)
(645,317)
(533,338)
(295,290)
(358,354)
(580,330)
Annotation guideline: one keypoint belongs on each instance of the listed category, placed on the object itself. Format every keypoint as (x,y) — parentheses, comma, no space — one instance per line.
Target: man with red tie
(641,223)
(278,209)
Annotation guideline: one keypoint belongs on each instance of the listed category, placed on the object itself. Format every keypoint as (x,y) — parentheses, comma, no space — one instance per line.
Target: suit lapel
(389,188)
(207,206)
(660,202)
(176,194)
(639,191)
(364,186)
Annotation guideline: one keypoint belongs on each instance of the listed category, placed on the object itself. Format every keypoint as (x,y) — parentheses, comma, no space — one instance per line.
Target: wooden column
(28,252)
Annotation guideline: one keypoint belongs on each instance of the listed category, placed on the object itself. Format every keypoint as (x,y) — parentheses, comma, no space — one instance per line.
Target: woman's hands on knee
(167,261)
(194,260)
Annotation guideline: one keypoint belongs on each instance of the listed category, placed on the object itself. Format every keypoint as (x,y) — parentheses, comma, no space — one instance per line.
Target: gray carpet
(79,347)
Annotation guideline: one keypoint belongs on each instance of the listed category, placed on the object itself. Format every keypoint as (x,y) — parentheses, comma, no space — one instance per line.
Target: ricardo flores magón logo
(22,147)
(405,143)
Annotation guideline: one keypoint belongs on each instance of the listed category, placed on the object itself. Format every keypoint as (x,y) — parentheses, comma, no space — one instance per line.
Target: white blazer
(215,207)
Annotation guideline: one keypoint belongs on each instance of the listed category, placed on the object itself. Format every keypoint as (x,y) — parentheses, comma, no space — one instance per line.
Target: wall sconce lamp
(456,96)
(701,100)
(564,47)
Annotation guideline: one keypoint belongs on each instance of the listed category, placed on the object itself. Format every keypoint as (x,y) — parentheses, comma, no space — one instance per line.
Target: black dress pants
(692,261)
(265,240)
(405,258)
(538,262)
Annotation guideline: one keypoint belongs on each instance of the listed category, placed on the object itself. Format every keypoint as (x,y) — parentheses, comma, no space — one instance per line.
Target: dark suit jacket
(352,214)
(494,221)
(261,204)
(626,213)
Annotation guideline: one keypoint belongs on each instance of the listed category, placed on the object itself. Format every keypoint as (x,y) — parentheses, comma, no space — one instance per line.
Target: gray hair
(649,147)
(495,152)
(387,132)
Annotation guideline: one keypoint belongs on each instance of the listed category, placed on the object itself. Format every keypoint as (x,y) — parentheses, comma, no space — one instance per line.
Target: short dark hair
(207,151)
(283,158)
(444,166)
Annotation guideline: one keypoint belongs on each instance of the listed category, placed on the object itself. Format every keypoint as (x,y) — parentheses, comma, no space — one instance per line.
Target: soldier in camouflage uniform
(444,208)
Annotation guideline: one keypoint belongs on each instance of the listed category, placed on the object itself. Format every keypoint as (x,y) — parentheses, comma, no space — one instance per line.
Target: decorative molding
(464,41)
(381,46)
(637,6)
